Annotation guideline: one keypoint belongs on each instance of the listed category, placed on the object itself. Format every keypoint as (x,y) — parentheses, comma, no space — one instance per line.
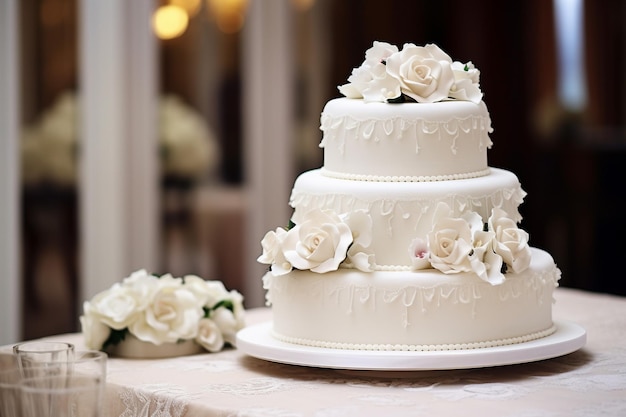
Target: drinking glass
(90,362)
(62,396)
(10,378)
(42,358)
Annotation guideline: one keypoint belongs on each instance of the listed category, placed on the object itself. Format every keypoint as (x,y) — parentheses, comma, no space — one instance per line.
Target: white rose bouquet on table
(162,310)
(423,74)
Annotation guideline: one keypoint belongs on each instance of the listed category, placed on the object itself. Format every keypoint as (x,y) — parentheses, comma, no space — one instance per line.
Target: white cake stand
(258,342)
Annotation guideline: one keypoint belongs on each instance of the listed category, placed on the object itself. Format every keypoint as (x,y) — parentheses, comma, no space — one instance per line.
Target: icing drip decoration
(506,199)
(413,301)
(341,128)
(425,299)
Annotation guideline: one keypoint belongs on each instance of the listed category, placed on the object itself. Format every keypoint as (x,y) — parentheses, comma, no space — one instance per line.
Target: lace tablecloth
(589,382)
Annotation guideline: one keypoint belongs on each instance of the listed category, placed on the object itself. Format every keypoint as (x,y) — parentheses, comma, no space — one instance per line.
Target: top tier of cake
(409,115)
(405,142)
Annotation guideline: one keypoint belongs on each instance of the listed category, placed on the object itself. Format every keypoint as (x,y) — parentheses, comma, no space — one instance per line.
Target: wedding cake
(406,239)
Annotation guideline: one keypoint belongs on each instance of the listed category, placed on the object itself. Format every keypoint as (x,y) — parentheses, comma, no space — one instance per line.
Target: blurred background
(552,73)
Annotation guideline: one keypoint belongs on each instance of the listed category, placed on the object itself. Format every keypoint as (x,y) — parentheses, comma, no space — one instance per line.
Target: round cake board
(257,341)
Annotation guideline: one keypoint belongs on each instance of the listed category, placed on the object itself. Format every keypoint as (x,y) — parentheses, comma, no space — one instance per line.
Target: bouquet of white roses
(423,74)
(164,309)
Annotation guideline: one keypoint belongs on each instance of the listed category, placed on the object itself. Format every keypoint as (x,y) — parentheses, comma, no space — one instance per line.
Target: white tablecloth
(589,382)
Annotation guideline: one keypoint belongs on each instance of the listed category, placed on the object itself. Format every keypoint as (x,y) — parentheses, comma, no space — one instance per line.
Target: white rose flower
(450,242)
(360,224)
(273,252)
(350,90)
(424,72)
(208,292)
(466,82)
(320,243)
(238,310)
(382,86)
(199,287)
(418,251)
(230,322)
(371,81)
(173,314)
(209,335)
(485,262)
(94,331)
(164,310)
(118,307)
(141,285)
(379,52)
(511,242)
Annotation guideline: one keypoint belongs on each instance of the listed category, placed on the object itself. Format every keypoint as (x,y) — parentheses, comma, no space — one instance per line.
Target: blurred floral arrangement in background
(188,148)
(49,146)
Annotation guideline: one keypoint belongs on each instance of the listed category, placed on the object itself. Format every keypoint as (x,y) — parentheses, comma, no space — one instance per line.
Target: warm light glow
(169,21)
(190,6)
(229,15)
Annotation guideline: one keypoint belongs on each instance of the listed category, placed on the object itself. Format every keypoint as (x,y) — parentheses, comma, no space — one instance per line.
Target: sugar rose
(272,245)
(466,82)
(360,224)
(485,262)
(418,253)
(450,242)
(424,72)
(511,241)
(371,81)
(319,243)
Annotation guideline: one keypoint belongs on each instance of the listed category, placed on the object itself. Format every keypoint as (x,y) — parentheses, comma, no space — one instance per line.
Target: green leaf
(399,99)
(115,337)
(228,304)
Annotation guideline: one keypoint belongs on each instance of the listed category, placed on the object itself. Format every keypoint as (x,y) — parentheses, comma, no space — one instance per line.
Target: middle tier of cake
(403,211)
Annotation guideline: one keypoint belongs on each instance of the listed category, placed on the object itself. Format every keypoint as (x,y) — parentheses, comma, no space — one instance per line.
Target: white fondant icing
(423,310)
(396,163)
(376,141)
(402,211)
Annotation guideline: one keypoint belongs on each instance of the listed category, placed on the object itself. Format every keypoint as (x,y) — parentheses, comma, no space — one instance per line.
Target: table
(589,382)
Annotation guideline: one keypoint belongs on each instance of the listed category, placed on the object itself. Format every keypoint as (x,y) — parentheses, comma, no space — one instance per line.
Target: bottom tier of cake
(425,310)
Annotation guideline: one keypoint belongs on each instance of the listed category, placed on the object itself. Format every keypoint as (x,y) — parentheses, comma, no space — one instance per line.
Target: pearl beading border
(402,178)
(414,348)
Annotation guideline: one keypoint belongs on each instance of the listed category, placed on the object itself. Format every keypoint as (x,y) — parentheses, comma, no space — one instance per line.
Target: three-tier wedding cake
(406,239)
